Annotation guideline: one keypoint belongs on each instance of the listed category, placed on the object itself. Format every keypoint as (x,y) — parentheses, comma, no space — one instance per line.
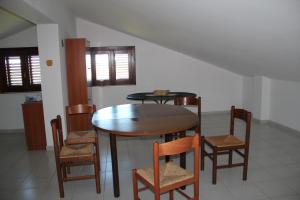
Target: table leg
(168,138)
(114,163)
(182,155)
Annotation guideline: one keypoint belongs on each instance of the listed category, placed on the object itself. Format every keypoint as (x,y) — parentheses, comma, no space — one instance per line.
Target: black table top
(162,99)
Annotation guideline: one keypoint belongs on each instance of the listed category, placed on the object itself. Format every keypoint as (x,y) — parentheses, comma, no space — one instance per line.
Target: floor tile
(273,174)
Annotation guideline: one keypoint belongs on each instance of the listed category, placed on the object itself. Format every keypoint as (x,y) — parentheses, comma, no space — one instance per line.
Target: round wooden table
(141,120)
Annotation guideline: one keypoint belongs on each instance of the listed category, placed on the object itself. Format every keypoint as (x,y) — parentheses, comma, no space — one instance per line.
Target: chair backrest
(242,114)
(79,117)
(57,135)
(191,101)
(176,147)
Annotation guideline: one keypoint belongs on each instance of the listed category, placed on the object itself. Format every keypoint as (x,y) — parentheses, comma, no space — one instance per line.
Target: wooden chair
(72,155)
(189,102)
(169,176)
(82,131)
(227,144)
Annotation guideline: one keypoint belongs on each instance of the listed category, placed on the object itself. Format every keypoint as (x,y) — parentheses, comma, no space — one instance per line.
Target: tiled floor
(274,171)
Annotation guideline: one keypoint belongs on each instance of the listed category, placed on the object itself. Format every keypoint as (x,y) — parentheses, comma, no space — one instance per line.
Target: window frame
(24,54)
(111,51)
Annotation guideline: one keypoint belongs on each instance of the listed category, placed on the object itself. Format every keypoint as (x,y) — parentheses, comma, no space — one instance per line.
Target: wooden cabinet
(77,81)
(34,126)
(76,71)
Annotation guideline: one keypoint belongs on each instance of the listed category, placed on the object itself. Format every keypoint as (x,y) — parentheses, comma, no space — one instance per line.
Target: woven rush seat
(229,144)
(68,151)
(72,155)
(169,177)
(224,140)
(169,174)
(76,137)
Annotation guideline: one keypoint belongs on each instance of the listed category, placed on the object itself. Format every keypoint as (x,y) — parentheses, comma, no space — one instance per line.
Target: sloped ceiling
(11,23)
(249,37)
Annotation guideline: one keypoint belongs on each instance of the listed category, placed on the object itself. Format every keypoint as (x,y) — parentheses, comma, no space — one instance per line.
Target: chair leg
(202,153)
(245,167)
(157,195)
(97,153)
(60,180)
(97,174)
(64,171)
(68,169)
(214,171)
(135,185)
(171,195)
(196,191)
(168,138)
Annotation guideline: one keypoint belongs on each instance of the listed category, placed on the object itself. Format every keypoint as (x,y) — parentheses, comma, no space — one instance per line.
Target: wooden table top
(144,119)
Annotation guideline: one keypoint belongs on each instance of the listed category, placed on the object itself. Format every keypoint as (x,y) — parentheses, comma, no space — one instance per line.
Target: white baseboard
(277,125)
(283,127)
(9,131)
(49,148)
(261,121)
(216,112)
(269,122)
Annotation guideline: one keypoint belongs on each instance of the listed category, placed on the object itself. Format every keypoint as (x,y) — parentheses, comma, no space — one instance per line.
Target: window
(20,70)
(111,65)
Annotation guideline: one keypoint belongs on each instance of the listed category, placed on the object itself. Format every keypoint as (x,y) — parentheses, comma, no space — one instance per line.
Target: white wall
(63,69)
(261,98)
(10,103)
(274,100)
(161,68)
(285,103)
(265,98)
(256,96)
(11,116)
(248,93)
(49,48)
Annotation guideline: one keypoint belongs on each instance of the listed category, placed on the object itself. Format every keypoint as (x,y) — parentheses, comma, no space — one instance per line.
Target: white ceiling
(250,37)
(11,23)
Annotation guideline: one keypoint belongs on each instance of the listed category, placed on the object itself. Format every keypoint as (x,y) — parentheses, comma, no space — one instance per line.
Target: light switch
(49,63)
